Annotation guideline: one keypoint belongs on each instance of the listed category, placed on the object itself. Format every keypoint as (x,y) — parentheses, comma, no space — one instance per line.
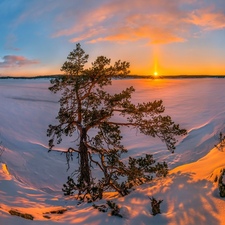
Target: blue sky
(172,37)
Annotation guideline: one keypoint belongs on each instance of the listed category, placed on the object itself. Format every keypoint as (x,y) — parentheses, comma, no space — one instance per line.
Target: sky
(170,37)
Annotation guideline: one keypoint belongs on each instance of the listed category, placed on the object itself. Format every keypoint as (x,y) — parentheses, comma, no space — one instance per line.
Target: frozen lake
(28,107)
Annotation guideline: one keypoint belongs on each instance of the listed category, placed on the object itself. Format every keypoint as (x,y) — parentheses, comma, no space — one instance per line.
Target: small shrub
(59,211)
(23,215)
(155,205)
(47,217)
(112,205)
(221,185)
(101,208)
(221,145)
(114,208)
(216,179)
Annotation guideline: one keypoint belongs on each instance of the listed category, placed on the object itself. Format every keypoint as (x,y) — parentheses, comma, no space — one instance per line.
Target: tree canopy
(85,104)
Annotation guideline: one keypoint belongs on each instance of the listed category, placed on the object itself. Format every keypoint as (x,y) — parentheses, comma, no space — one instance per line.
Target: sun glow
(156,63)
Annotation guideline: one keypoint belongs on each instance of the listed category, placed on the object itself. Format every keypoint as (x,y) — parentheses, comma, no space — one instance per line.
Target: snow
(31,178)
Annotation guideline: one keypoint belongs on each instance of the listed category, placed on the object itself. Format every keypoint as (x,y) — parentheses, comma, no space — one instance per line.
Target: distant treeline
(173,76)
(129,77)
(37,77)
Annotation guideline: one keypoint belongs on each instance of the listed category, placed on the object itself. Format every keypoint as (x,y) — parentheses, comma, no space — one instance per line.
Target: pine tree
(85,104)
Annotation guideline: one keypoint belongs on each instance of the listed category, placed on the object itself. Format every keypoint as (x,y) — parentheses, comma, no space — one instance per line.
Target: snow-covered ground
(32,180)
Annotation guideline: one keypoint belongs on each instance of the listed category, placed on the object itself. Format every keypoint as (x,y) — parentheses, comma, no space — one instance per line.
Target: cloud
(10,47)
(10,40)
(16,61)
(154,36)
(87,18)
(92,32)
(156,29)
(208,19)
(130,20)
(154,21)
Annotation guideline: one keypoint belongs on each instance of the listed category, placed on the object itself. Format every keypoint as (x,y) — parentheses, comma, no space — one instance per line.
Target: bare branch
(97,163)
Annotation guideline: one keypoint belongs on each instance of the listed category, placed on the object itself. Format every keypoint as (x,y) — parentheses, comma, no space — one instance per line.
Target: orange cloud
(161,28)
(155,21)
(16,61)
(207,19)
(153,35)
(89,34)
(126,20)
(86,20)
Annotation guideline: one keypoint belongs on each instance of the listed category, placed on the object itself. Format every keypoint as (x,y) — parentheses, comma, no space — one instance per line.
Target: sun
(156,73)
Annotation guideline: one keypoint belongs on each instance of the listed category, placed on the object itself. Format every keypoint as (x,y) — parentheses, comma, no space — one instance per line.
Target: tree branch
(98,122)
(73,150)
(122,124)
(97,163)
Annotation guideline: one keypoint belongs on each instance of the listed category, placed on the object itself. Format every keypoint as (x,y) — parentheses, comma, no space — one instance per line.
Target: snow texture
(31,178)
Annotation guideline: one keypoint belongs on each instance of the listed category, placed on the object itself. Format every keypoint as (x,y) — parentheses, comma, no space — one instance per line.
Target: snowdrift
(189,193)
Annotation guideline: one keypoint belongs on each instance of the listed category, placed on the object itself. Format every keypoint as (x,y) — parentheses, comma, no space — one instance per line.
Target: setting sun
(156,73)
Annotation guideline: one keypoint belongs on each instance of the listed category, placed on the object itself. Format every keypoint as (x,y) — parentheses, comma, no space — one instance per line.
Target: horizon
(129,76)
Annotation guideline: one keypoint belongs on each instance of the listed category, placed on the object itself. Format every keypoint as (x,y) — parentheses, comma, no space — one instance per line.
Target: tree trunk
(85,172)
